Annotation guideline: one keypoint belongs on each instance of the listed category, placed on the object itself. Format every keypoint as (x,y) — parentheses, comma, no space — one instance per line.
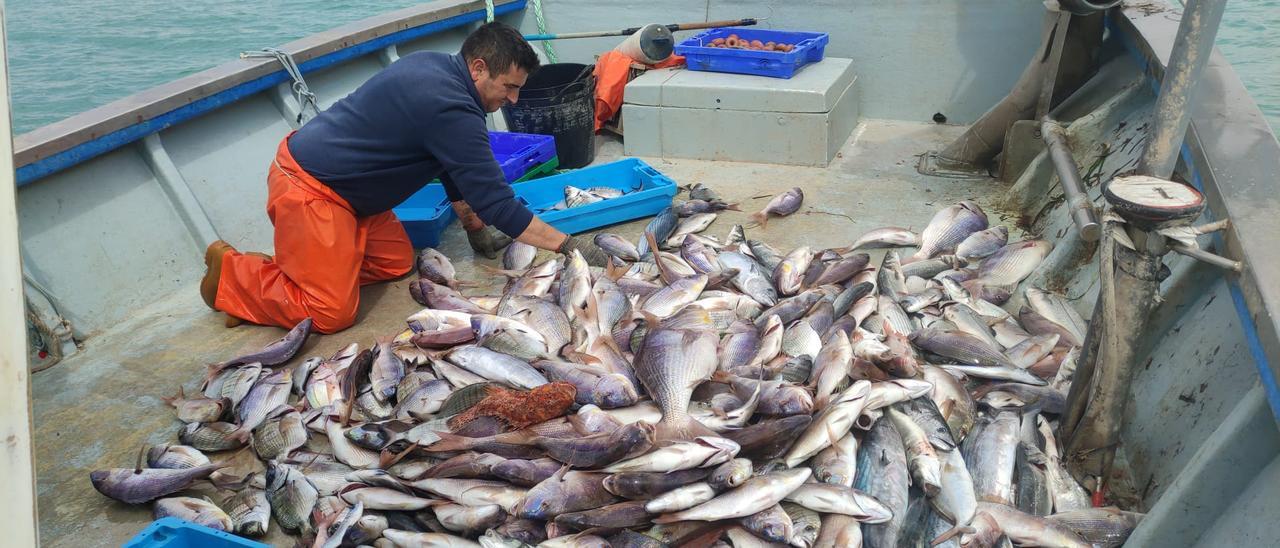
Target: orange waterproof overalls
(323,254)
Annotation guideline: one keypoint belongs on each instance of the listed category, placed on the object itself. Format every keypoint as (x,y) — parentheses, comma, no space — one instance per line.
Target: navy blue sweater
(418,119)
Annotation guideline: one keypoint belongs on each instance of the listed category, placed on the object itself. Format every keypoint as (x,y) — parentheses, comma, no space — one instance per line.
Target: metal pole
(1072,186)
(17,491)
(1191,49)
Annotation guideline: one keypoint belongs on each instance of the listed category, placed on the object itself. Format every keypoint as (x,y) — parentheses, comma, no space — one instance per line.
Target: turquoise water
(68,56)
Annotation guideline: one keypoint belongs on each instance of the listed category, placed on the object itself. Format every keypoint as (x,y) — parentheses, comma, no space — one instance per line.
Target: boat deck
(97,408)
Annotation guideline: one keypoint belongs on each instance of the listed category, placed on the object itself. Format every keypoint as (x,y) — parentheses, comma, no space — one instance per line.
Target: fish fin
(501,272)
(583,358)
(952,533)
(732,207)
(211,371)
(650,320)
(613,271)
(174,399)
(760,219)
(142,456)
(657,261)
(386,458)
(721,377)
(559,475)
(241,434)
(688,429)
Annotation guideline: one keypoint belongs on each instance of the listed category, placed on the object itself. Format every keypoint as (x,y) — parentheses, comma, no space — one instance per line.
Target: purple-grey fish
(617,246)
(670,364)
(982,243)
(949,227)
(889,236)
(781,205)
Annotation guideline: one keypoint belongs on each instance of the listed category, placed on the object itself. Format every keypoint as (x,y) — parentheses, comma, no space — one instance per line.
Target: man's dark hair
(501,46)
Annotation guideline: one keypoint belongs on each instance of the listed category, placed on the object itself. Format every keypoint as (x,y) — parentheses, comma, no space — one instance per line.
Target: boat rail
(66,143)
(1232,156)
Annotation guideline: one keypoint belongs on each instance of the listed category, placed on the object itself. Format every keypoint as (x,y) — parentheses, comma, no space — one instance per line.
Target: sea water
(68,56)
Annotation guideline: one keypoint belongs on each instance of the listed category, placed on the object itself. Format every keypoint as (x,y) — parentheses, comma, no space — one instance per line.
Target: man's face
(497,90)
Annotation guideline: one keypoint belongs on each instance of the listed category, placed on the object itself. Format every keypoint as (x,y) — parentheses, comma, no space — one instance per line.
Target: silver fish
(508,336)
(882,474)
(387,371)
(136,486)
(1107,527)
(889,236)
(694,207)
(948,228)
(997,372)
(574,197)
(690,225)
(772,524)
(837,464)
(660,227)
(699,191)
(670,364)
(668,300)
(496,366)
(960,346)
(751,279)
(837,499)
(967,320)
(755,495)
(198,511)
(955,500)
(594,385)
(250,512)
(1057,309)
(701,452)
(982,243)
(266,395)
(806,525)
(990,457)
(197,409)
(175,456)
(1028,530)
(1013,262)
(233,383)
(279,435)
(789,272)
(922,459)
(681,498)
(831,367)
(423,402)
(801,340)
(542,316)
(435,266)
(617,246)
(575,286)
(781,205)
(518,256)
(1066,493)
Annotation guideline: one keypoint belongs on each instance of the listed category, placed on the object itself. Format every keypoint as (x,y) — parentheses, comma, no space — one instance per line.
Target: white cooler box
(682,113)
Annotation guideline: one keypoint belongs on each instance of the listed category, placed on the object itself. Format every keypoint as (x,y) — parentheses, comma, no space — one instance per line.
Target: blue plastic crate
(646,192)
(174,533)
(809,47)
(425,215)
(518,153)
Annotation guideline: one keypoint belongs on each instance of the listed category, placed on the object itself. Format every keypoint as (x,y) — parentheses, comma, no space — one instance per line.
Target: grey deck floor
(99,407)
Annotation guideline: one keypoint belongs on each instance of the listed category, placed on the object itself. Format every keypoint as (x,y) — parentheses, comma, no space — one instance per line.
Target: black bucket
(559,100)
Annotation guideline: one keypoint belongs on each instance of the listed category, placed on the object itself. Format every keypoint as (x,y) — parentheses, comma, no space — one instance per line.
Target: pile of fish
(698,391)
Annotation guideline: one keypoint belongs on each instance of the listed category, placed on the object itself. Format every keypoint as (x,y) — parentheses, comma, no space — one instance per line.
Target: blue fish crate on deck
(646,191)
(699,55)
(427,213)
(175,533)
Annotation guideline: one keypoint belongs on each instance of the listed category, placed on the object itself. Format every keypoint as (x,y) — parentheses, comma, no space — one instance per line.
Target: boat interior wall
(1186,418)
(913,57)
(108,236)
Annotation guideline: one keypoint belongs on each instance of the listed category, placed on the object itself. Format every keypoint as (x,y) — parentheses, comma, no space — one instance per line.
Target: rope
(542,29)
(488,11)
(301,92)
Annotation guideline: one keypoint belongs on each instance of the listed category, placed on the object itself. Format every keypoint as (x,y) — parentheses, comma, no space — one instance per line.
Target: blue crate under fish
(175,533)
(646,191)
(809,48)
(425,215)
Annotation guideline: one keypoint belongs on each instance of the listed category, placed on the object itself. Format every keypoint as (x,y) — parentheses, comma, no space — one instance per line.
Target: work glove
(589,250)
(487,241)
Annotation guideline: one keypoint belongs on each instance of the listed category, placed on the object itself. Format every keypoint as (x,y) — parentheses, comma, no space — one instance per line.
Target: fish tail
(951,533)
(174,399)
(241,434)
(501,272)
(450,442)
(668,518)
(761,218)
(733,207)
(211,371)
(683,429)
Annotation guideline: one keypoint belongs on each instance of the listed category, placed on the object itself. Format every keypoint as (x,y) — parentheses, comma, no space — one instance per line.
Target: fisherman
(333,182)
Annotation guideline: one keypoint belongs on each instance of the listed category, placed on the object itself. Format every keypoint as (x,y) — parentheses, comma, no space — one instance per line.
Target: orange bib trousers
(323,254)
